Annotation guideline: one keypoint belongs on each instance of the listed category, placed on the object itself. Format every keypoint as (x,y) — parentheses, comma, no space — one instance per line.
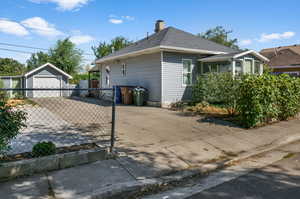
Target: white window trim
(191,72)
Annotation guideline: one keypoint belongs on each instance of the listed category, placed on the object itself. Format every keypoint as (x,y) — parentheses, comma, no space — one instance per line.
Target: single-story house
(45,76)
(285,59)
(168,62)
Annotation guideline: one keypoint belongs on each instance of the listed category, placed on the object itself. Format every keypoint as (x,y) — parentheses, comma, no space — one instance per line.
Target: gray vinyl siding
(47,71)
(173,89)
(143,70)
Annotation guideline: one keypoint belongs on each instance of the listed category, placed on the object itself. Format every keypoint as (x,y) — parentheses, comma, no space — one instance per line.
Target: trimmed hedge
(256,99)
(267,98)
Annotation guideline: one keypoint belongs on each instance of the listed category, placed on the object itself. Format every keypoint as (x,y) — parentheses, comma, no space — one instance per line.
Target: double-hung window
(187,71)
(123,69)
(257,67)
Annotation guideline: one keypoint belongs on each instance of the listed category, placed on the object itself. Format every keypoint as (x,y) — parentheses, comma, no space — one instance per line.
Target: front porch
(247,62)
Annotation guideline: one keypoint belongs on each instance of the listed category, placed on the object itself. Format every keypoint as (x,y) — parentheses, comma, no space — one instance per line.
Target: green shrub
(11,122)
(267,98)
(217,88)
(43,149)
(257,99)
(3,94)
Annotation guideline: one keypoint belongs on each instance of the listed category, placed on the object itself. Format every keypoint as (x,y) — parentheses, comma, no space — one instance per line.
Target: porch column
(253,66)
(243,66)
(233,67)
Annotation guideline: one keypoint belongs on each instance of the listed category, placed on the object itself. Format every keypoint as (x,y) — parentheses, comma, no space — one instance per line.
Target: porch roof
(230,56)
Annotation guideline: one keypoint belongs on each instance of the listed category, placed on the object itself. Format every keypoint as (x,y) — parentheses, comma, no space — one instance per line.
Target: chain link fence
(36,122)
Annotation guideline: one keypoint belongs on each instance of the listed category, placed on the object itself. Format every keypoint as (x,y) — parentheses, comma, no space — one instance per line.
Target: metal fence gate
(69,118)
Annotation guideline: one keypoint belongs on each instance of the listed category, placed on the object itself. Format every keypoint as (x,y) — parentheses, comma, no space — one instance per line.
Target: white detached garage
(46,76)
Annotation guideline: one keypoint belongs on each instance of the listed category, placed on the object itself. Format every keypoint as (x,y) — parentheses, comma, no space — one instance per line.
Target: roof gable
(234,55)
(285,57)
(48,65)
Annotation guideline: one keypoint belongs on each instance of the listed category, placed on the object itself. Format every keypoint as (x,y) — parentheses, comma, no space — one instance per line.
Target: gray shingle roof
(174,38)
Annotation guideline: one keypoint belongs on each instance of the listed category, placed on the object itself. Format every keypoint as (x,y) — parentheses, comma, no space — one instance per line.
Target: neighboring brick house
(285,59)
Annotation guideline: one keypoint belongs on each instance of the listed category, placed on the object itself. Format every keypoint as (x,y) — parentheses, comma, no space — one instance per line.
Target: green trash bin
(139,96)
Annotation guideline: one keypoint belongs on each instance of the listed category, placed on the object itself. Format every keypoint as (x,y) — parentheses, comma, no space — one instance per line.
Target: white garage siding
(47,77)
(47,82)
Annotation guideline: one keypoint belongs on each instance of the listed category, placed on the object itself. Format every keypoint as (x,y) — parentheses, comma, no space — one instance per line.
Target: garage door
(46,82)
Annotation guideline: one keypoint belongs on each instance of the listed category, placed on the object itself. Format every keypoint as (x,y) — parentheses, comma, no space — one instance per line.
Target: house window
(257,67)
(214,68)
(211,67)
(238,67)
(123,69)
(206,68)
(107,76)
(187,71)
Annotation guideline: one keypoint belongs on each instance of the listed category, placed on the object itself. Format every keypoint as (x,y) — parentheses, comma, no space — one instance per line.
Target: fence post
(113,120)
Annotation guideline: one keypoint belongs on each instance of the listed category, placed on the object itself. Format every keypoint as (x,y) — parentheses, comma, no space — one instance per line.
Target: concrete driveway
(154,141)
(65,122)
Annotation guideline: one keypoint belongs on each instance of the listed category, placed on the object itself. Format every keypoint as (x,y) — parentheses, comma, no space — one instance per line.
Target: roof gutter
(158,49)
(214,59)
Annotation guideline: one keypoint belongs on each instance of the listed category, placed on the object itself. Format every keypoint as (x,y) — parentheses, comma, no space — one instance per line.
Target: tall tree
(115,44)
(37,59)
(101,50)
(10,66)
(66,56)
(220,36)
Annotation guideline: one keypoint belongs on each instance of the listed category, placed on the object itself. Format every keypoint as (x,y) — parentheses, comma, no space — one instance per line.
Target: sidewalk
(140,166)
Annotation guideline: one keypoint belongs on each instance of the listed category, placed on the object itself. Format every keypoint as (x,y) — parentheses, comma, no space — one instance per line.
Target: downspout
(161,78)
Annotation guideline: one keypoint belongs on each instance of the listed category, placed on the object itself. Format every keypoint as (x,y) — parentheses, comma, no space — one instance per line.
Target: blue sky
(39,23)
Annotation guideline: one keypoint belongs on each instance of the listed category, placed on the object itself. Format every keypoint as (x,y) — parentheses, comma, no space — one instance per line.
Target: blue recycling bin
(118,94)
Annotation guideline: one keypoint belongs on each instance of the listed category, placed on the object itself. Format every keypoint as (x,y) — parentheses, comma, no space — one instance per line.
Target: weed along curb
(12,170)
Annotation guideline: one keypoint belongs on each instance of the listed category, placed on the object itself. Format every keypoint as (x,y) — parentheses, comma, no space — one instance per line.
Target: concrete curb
(12,170)
(140,187)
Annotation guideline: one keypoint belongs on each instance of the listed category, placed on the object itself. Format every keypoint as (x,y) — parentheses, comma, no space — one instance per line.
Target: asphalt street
(280,180)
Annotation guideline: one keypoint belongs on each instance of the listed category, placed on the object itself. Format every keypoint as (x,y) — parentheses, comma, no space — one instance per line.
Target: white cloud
(276,36)
(65,4)
(245,42)
(11,27)
(41,26)
(116,21)
(129,18)
(81,39)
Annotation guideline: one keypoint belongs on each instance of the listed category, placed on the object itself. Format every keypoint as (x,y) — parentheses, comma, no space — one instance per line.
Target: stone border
(12,170)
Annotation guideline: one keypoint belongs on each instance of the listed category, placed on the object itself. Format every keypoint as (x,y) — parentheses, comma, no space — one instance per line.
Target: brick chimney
(159,26)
